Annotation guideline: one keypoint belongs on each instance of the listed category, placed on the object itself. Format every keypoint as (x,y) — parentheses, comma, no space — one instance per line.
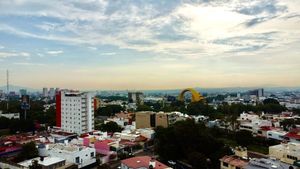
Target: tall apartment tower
(136,97)
(51,93)
(75,111)
(45,92)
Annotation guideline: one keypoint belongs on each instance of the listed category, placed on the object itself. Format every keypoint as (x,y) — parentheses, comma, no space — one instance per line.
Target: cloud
(1,47)
(151,27)
(92,48)
(55,52)
(213,37)
(28,64)
(109,53)
(12,54)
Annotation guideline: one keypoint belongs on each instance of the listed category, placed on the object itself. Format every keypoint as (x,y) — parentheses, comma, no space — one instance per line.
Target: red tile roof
(234,160)
(293,135)
(142,161)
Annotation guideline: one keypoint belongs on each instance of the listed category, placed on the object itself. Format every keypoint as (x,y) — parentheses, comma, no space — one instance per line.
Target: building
(10,115)
(248,117)
(45,92)
(44,162)
(164,119)
(51,93)
(23,92)
(97,103)
(288,152)
(142,162)
(293,136)
(257,92)
(237,161)
(265,163)
(80,155)
(136,97)
(75,111)
(255,126)
(148,119)
(276,135)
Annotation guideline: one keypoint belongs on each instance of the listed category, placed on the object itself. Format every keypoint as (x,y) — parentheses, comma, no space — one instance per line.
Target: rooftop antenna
(7,88)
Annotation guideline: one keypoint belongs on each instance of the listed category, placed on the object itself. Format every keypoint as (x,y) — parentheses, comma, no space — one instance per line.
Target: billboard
(25,102)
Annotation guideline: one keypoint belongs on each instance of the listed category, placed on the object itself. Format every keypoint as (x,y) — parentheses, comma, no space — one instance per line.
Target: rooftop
(235,161)
(47,161)
(142,161)
(265,163)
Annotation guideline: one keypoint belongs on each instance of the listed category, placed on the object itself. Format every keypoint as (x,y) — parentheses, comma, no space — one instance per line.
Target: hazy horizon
(150,45)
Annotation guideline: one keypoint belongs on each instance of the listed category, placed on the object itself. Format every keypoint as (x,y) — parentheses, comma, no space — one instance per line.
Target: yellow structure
(196,96)
(288,153)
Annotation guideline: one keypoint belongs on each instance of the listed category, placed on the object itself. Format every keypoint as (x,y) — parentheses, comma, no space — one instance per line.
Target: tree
(110,127)
(109,110)
(243,138)
(188,141)
(199,108)
(198,160)
(144,108)
(29,151)
(270,101)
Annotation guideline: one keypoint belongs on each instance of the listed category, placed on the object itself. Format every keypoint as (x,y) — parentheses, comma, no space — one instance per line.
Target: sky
(150,44)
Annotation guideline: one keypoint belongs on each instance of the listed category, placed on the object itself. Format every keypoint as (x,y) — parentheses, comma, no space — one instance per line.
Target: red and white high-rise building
(75,111)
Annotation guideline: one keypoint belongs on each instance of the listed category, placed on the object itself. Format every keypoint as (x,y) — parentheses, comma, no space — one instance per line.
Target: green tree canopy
(29,151)
(109,110)
(110,127)
(270,101)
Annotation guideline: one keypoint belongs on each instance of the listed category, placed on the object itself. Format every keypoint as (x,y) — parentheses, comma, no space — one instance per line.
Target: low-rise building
(80,155)
(10,115)
(142,162)
(237,161)
(287,152)
(276,135)
(148,119)
(44,162)
(265,163)
(293,136)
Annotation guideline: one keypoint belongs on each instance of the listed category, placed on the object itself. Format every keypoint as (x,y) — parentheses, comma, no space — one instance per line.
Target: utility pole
(7,88)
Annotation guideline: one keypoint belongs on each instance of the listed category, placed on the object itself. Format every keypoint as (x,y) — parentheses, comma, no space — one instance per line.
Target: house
(276,135)
(286,152)
(80,155)
(44,162)
(237,161)
(142,162)
(266,163)
(293,136)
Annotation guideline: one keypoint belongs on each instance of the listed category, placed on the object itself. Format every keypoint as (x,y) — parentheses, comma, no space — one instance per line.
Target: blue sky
(155,44)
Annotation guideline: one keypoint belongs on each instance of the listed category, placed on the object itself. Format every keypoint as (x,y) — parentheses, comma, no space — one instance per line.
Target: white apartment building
(75,111)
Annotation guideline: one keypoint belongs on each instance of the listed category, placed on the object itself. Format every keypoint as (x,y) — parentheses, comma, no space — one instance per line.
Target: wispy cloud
(109,53)
(92,48)
(199,35)
(55,52)
(12,54)
(28,64)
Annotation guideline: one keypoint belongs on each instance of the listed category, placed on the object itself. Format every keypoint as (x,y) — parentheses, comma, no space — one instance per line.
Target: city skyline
(150,45)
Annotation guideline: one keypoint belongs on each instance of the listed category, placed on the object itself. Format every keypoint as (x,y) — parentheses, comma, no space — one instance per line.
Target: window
(291,157)
(92,154)
(225,164)
(77,160)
